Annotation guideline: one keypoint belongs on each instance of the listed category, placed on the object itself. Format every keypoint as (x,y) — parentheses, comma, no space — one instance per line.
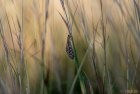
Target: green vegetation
(69,46)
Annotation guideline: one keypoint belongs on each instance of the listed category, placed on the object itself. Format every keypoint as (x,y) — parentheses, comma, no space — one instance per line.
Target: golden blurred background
(25,23)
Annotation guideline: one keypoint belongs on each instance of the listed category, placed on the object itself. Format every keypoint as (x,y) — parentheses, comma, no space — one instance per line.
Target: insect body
(69,47)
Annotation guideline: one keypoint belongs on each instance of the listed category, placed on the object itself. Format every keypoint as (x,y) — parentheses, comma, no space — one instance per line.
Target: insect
(69,47)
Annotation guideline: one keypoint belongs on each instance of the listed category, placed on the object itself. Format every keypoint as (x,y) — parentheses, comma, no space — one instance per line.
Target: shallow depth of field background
(23,23)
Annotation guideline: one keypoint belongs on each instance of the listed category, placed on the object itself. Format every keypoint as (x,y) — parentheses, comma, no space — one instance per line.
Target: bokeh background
(33,38)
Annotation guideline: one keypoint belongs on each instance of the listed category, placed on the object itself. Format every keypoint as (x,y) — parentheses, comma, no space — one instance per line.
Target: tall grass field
(69,46)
